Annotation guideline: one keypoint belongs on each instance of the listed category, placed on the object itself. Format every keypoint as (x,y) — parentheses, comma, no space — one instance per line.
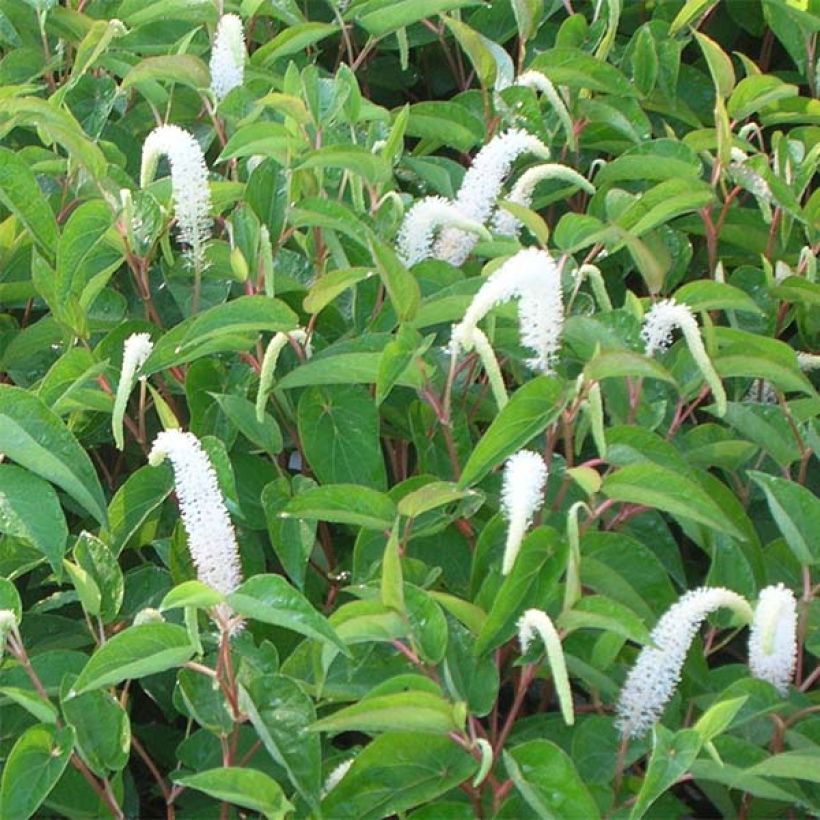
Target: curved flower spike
(655,676)
(189,184)
(136,350)
(275,347)
(533,278)
(211,537)
(507,224)
(535,622)
(428,215)
(481,186)
(541,83)
(522,494)
(773,637)
(658,325)
(228,56)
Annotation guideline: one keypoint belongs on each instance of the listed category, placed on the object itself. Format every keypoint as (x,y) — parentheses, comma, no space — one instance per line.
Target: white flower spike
(522,192)
(136,350)
(276,345)
(660,322)
(535,622)
(189,184)
(522,494)
(654,677)
(211,537)
(228,56)
(423,220)
(481,186)
(533,278)
(773,637)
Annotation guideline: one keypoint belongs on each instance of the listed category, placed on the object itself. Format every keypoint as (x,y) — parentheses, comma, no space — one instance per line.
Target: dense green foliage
(361,453)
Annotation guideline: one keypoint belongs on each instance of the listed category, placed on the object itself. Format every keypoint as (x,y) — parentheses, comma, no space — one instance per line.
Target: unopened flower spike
(541,83)
(136,350)
(424,220)
(522,494)
(189,185)
(653,679)
(481,186)
(276,345)
(660,322)
(504,222)
(211,537)
(336,776)
(773,637)
(228,56)
(532,277)
(535,622)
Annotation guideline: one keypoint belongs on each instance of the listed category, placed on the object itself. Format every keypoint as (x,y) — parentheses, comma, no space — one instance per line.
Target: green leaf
(248,788)
(397,355)
(281,713)
(576,69)
(37,439)
(600,612)
(326,288)
(380,17)
(413,711)
(339,431)
(691,10)
(356,158)
(720,64)
(706,294)
(30,509)
(401,285)
(191,593)
(100,564)
(667,490)
(242,412)
(43,710)
(20,193)
(445,122)
(292,40)
(344,504)
(672,755)
(718,717)
(272,600)
(528,16)
(392,580)
(185,69)
(548,781)
(396,772)
(753,93)
(343,368)
(34,765)
(87,590)
(430,496)
(796,511)
(530,410)
(134,653)
(798,764)
(619,363)
(475,47)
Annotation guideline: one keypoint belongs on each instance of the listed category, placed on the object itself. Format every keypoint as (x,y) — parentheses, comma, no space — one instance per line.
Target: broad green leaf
(530,410)
(185,69)
(798,764)
(720,64)
(242,412)
(134,653)
(32,769)
(548,781)
(30,509)
(37,439)
(401,286)
(43,710)
(325,289)
(392,580)
(706,294)
(10,598)
(619,363)
(191,593)
(600,612)
(379,17)
(718,717)
(576,69)
(248,788)
(344,368)
(100,564)
(476,48)
(272,600)
(397,355)
(753,93)
(396,772)
(666,489)
(292,40)
(412,711)
(20,193)
(356,158)
(430,496)
(344,504)
(528,16)
(796,511)
(446,122)
(691,10)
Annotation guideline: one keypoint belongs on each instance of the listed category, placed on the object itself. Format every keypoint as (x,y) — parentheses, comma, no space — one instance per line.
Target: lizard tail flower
(275,347)
(211,537)
(533,278)
(657,330)
(189,184)
(336,775)
(505,223)
(654,677)
(136,350)
(228,56)
(541,83)
(535,622)
(773,637)
(423,220)
(522,494)
(481,186)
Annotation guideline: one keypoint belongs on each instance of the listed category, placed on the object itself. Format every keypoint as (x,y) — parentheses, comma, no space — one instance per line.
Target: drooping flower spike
(532,277)
(522,192)
(541,83)
(535,622)
(211,536)
(136,350)
(522,494)
(481,186)
(773,637)
(660,322)
(655,676)
(228,56)
(275,347)
(189,185)
(424,220)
